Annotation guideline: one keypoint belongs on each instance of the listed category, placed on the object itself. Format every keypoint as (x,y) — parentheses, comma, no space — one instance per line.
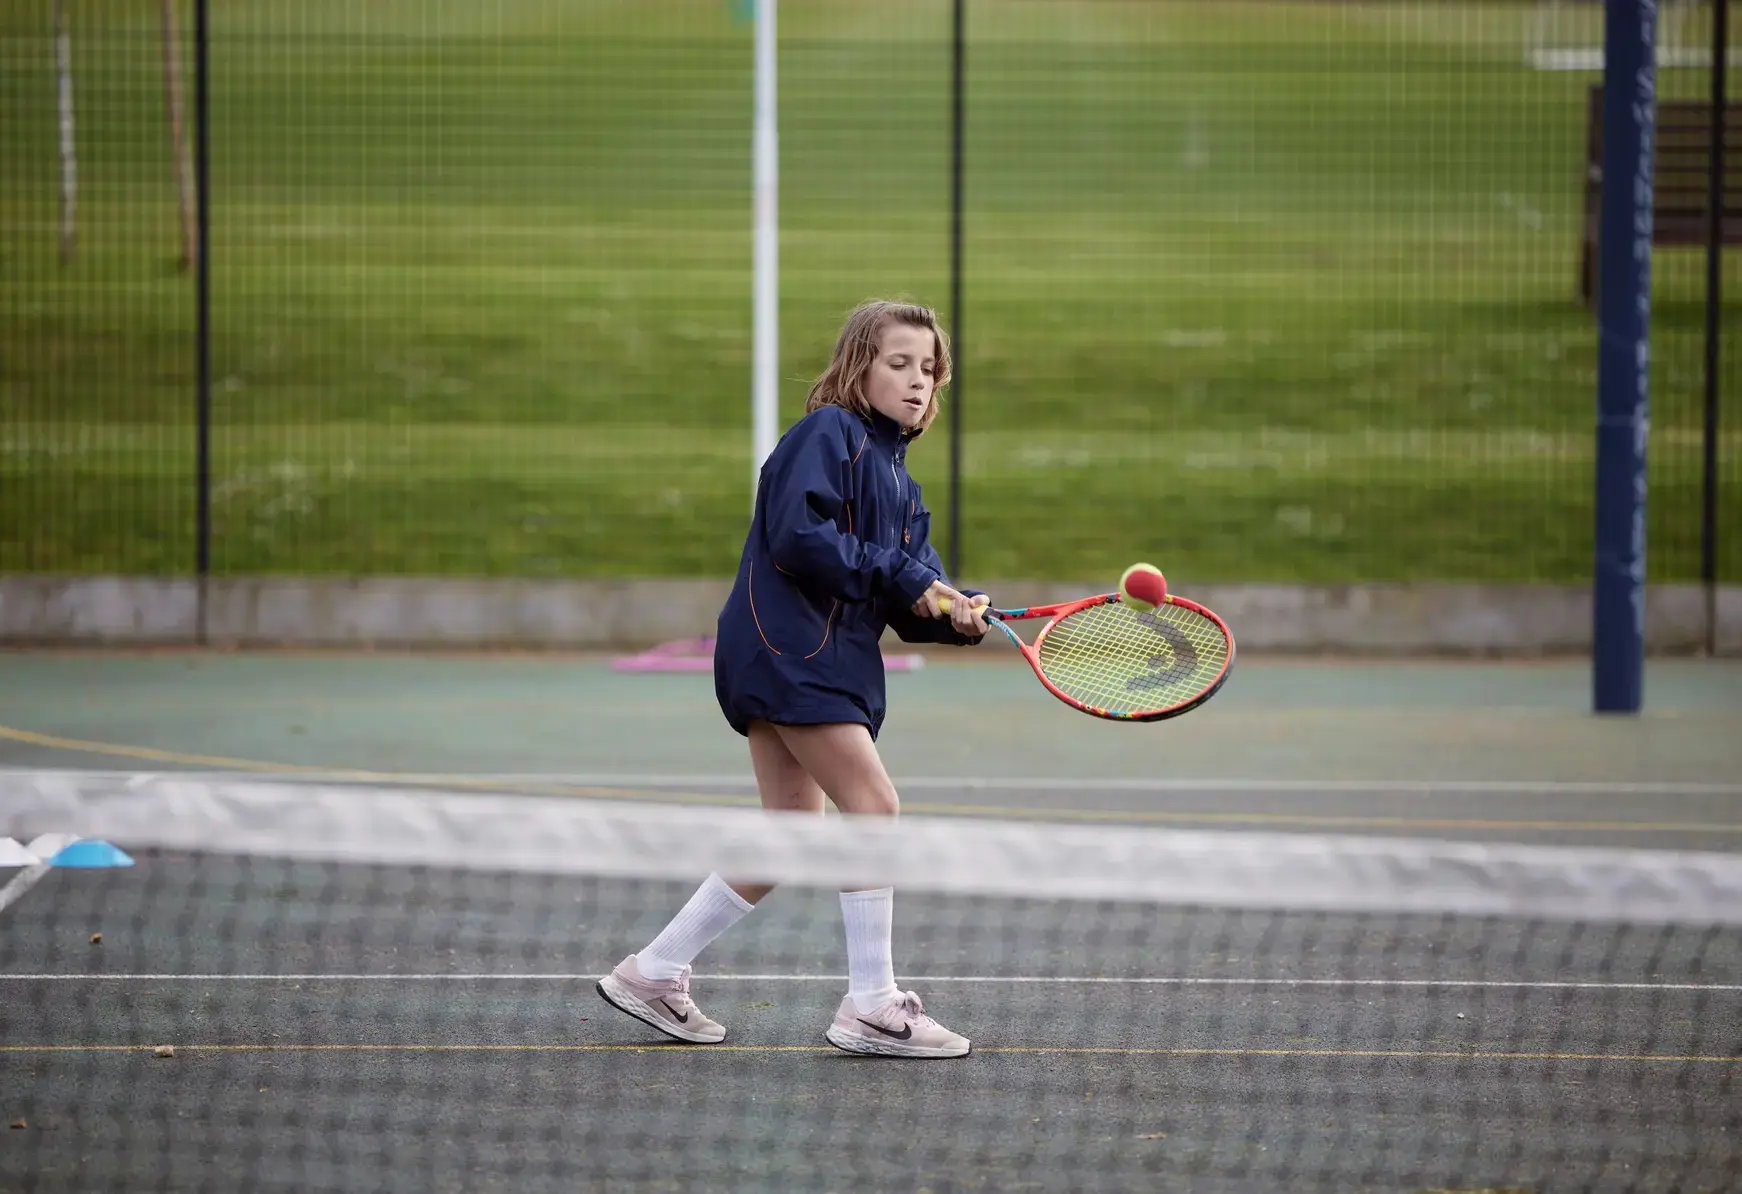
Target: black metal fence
(1258,291)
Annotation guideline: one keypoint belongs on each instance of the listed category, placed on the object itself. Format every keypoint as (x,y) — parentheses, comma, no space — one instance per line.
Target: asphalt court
(1480,750)
(344,1028)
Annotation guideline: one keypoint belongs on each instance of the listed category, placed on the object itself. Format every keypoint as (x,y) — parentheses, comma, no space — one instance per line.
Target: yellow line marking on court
(1052,1050)
(654,796)
(155,755)
(263,767)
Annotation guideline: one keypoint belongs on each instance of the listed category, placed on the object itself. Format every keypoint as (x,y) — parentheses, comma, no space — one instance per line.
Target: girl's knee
(877,801)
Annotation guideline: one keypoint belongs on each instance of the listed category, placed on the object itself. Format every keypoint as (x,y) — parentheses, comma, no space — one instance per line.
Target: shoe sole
(865,1046)
(614,994)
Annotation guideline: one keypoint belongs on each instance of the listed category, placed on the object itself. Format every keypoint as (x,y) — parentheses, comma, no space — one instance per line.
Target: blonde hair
(843,382)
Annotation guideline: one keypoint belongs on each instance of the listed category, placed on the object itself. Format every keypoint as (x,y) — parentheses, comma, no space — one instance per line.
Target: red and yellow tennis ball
(1143,587)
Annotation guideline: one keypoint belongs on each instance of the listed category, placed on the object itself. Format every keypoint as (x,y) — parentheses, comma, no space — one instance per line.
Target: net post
(1623,361)
(765,169)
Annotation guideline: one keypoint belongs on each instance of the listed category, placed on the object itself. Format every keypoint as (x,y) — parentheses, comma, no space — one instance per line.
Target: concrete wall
(420,612)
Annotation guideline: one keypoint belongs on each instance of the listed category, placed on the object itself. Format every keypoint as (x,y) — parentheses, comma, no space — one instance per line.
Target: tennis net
(313,986)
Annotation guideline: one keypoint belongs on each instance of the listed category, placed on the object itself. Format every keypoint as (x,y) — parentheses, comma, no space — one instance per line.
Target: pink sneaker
(665,1004)
(900,1028)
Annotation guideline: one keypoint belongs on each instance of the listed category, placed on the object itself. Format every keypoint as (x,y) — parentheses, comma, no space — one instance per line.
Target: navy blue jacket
(839,548)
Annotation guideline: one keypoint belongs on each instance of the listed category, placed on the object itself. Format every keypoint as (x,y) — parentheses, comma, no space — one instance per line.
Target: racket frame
(1058,611)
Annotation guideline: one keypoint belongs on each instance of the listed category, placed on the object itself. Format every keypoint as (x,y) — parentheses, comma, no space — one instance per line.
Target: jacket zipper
(895,472)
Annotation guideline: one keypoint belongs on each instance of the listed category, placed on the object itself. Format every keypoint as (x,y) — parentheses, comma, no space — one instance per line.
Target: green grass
(1259,291)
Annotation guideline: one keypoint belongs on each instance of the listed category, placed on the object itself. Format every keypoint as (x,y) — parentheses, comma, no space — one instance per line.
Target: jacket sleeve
(909,626)
(807,480)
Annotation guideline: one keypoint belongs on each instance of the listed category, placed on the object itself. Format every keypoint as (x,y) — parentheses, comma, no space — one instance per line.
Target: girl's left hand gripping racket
(1109,659)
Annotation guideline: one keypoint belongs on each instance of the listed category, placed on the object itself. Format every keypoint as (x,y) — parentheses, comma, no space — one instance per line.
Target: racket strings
(1122,660)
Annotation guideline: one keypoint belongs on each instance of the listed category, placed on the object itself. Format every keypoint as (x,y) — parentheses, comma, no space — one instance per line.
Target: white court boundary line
(22,882)
(990,979)
(1025,783)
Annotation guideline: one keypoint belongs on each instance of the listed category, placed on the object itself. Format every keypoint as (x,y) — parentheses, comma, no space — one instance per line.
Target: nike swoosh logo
(683,1019)
(906,1030)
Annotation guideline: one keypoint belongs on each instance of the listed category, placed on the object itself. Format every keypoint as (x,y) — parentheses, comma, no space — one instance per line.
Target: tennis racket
(1109,659)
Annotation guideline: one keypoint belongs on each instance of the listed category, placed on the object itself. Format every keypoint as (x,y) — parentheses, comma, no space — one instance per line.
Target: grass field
(1257,291)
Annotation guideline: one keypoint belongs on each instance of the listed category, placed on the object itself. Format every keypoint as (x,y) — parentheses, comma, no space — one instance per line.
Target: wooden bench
(1679,180)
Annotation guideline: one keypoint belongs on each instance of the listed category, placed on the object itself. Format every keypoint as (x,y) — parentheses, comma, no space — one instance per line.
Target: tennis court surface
(1346,928)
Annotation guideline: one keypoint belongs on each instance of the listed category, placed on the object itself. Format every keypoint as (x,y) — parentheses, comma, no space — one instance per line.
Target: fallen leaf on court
(96,938)
(165,1051)
(1153,1136)
(19,1123)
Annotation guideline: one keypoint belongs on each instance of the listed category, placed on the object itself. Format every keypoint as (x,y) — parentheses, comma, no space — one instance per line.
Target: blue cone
(90,853)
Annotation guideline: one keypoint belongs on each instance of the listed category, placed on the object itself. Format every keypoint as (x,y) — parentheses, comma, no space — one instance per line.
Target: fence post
(957,62)
(1715,198)
(202,311)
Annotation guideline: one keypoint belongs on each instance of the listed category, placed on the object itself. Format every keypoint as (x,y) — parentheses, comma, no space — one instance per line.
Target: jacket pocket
(790,621)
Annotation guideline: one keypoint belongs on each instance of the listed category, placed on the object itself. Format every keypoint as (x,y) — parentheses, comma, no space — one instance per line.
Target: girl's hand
(969,616)
(965,614)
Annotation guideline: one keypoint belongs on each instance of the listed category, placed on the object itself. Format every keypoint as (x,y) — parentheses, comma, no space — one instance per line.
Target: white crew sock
(711,911)
(870,918)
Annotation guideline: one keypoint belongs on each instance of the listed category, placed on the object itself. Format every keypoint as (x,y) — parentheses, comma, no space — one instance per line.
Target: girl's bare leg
(717,905)
(785,786)
(843,759)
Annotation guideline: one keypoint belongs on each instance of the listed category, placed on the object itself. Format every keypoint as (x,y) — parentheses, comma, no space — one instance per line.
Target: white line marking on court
(1410,787)
(20,883)
(1037,979)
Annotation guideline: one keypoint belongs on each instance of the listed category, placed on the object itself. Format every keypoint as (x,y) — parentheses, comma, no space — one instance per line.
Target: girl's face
(899,383)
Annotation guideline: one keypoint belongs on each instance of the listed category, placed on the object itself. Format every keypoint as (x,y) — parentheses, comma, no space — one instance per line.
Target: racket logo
(1179,661)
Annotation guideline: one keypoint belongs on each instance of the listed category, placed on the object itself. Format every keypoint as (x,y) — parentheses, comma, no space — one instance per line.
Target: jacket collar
(885,431)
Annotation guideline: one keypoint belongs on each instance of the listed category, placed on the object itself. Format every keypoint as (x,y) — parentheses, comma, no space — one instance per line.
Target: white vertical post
(178,145)
(69,159)
(765,352)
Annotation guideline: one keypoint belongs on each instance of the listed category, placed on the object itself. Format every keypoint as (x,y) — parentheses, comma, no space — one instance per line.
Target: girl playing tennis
(839,548)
